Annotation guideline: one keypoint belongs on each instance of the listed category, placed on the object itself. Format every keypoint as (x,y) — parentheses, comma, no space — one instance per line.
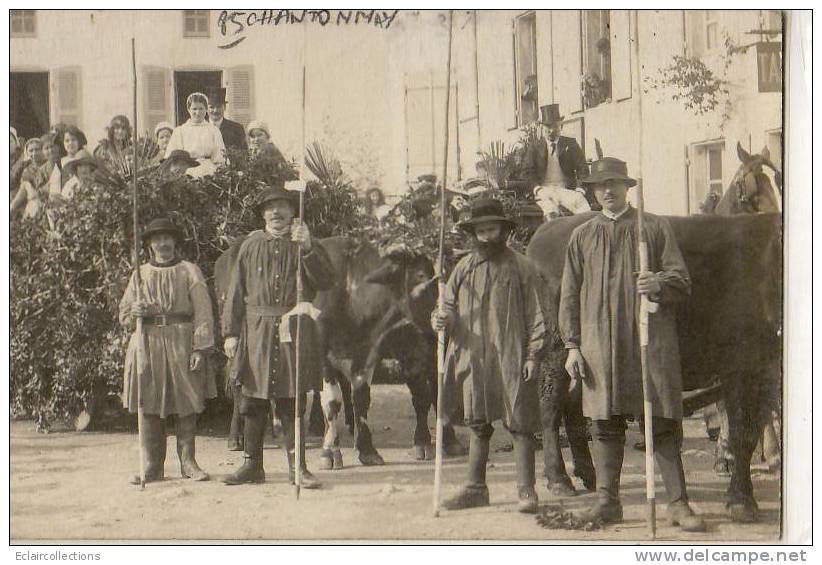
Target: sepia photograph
(400,276)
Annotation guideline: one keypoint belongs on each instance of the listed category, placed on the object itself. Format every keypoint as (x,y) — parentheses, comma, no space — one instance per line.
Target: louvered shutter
(68,99)
(241,94)
(157,83)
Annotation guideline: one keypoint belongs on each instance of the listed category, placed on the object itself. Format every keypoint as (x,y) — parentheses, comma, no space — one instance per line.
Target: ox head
(410,277)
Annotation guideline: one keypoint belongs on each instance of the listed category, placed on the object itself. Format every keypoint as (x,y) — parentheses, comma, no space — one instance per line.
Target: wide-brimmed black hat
(216,95)
(608,168)
(161,225)
(485,210)
(549,114)
(181,156)
(276,192)
(71,167)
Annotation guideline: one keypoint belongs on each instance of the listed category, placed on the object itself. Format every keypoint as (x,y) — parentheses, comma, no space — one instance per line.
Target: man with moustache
(496,330)
(598,322)
(262,291)
(233,132)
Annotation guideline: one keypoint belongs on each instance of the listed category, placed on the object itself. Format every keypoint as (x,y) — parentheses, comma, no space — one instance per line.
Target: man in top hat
(496,330)
(598,309)
(233,132)
(178,327)
(553,167)
(263,289)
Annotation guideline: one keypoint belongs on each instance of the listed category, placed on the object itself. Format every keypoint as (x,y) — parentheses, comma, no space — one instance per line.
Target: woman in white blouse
(200,138)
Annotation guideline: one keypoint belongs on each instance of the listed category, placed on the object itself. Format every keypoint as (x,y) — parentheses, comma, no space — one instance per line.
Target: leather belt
(267,311)
(168,319)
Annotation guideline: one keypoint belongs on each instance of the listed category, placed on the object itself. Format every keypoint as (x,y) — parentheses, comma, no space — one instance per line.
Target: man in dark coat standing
(557,161)
(258,329)
(233,132)
(598,322)
(496,331)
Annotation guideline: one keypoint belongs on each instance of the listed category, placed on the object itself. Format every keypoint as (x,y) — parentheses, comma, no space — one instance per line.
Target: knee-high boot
(475,493)
(252,469)
(186,431)
(609,451)
(524,456)
(153,450)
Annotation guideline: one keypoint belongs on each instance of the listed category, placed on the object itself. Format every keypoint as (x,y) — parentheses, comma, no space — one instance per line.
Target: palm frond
(323,165)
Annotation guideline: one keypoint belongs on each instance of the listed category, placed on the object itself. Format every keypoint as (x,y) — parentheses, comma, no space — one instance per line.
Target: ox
(728,330)
(379,308)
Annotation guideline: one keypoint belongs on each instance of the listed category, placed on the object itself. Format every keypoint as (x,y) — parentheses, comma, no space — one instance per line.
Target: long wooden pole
(140,352)
(441,283)
(646,307)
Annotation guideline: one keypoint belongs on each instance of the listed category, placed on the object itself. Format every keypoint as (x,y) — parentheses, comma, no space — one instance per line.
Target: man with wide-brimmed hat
(257,330)
(553,166)
(496,330)
(233,132)
(178,162)
(178,328)
(598,323)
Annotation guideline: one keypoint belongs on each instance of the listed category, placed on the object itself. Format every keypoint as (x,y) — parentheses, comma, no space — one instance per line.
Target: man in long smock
(598,321)
(260,338)
(178,332)
(496,331)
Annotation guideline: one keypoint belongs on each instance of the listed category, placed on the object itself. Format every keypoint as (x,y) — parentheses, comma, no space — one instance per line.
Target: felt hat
(161,225)
(276,192)
(485,210)
(181,156)
(549,114)
(608,168)
(84,158)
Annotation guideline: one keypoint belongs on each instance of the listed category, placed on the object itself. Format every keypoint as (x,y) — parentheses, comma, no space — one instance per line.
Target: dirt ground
(73,486)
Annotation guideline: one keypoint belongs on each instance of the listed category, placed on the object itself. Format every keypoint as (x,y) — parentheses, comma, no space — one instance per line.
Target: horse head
(750,191)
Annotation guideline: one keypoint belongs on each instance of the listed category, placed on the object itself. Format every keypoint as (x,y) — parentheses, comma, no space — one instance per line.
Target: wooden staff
(441,284)
(140,353)
(646,307)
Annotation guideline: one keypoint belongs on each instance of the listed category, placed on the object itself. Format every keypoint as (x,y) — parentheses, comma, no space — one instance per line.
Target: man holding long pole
(599,324)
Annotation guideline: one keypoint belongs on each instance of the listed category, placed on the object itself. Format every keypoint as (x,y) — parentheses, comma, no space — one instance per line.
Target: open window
(706,172)
(596,57)
(525,68)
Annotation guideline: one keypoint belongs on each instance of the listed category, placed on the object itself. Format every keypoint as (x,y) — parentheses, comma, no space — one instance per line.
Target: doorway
(186,82)
(29,101)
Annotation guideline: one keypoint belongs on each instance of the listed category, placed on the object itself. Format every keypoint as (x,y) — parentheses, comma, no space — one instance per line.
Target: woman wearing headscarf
(162,135)
(199,137)
(260,145)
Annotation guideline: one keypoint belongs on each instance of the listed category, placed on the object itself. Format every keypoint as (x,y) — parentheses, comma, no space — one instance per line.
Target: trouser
(609,449)
(479,448)
(235,430)
(557,405)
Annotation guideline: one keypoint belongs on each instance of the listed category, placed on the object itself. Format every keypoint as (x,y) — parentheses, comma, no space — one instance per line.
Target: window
(23,23)
(711,30)
(706,172)
(525,68)
(596,58)
(195,23)
(703,31)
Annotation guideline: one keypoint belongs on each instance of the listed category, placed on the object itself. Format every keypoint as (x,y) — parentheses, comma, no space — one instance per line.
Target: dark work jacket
(233,135)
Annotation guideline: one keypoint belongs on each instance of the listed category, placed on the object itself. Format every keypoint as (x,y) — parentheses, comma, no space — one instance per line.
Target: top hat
(608,168)
(216,95)
(429,178)
(485,210)
(161,225)
(550,114)
(181,156)
(276,192)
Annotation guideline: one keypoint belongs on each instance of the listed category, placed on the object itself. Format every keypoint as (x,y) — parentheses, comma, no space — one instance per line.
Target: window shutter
(696,32)
(621,53)
(67,95)
(157,87)
(241,94)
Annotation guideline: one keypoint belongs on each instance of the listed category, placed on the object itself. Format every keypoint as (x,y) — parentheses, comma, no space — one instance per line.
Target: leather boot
(475,493)
(186,431)
(153,450)
(307,480)
(252,469)
(608,456)
(524,456)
